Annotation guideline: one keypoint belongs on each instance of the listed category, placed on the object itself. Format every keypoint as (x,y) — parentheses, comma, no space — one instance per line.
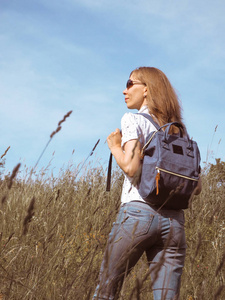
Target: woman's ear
(145,92)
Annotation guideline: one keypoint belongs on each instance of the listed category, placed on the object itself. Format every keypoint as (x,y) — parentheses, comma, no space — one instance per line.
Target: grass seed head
(13,175)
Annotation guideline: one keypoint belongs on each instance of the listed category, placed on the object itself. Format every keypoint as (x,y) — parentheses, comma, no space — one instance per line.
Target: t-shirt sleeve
(130,128)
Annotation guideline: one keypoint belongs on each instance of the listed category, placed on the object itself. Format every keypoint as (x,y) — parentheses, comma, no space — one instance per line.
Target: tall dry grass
(53,232)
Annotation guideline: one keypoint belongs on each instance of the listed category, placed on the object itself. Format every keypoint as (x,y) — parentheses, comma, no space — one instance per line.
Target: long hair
(162,99)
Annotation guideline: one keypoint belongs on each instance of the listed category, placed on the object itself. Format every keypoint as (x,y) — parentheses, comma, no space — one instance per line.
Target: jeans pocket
(136,222)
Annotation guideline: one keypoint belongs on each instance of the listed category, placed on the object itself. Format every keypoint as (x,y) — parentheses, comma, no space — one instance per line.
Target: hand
(114,139)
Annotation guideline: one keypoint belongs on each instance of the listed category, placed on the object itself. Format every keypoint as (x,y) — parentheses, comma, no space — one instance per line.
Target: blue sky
(57,56)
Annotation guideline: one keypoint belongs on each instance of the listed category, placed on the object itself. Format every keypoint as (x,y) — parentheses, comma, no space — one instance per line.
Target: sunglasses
(130,83)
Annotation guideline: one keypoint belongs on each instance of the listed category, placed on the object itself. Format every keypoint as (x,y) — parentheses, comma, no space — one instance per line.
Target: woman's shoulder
(130,117)
(137,122)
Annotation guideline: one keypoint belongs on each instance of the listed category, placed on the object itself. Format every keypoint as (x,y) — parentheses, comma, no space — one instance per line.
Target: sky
(57,56)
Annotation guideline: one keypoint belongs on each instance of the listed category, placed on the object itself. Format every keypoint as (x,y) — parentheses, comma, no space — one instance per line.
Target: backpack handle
(180,126)
(166,136)
(177,124)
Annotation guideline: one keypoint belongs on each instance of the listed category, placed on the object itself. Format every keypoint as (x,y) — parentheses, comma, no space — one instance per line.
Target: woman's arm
(129,158)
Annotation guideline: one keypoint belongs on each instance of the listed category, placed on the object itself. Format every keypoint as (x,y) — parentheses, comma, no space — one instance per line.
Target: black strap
(108,182)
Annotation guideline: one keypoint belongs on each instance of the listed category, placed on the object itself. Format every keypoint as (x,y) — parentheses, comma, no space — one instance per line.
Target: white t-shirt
(134,126)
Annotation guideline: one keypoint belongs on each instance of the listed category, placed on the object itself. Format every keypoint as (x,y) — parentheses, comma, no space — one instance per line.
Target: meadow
(53,232)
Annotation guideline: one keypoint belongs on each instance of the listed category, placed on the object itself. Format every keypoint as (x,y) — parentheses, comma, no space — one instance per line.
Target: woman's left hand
(127,158)
(114,139)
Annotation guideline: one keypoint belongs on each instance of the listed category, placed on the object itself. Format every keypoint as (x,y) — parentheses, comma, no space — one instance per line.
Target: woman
(140,227)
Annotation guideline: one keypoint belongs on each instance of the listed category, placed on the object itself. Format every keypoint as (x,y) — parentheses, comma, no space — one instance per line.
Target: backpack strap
(149,117)
(108,181)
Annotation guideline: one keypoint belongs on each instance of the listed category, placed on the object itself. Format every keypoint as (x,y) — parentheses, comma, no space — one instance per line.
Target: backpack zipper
(176,174)
(157,178)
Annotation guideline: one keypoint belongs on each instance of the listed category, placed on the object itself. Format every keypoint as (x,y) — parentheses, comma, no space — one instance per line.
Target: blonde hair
(163,102)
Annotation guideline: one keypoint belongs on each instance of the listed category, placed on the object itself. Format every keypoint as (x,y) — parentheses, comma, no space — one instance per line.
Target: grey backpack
(171,167)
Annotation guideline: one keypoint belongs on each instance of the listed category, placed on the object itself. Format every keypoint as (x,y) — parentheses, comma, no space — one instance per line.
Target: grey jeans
(140,228)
